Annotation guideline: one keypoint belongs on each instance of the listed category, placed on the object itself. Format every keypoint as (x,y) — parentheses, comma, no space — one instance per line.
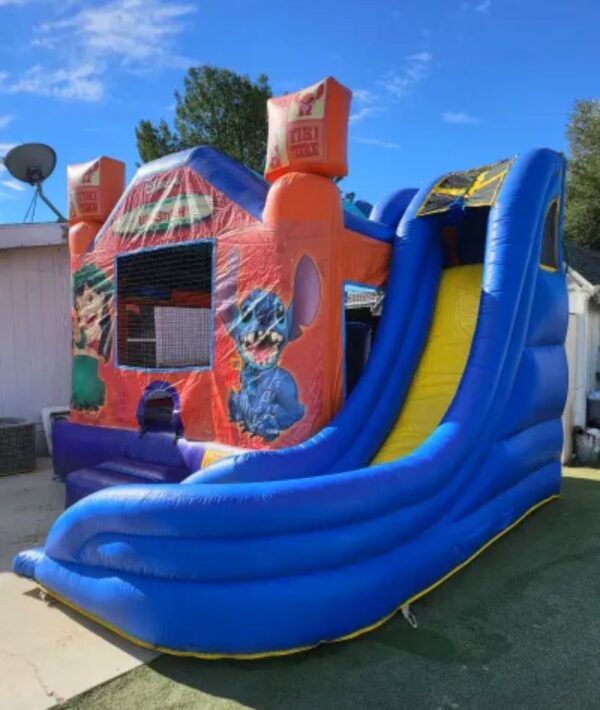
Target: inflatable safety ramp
(451,436)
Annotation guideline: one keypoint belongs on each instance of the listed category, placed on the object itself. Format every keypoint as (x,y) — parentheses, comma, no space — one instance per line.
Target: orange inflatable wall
(291,260)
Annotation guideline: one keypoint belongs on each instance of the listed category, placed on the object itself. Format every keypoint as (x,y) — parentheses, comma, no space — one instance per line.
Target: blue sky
(439,85)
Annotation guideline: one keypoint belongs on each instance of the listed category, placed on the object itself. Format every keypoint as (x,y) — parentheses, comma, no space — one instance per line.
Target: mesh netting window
(165,307)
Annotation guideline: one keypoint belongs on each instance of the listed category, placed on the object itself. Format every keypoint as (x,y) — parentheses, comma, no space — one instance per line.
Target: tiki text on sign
(305,141)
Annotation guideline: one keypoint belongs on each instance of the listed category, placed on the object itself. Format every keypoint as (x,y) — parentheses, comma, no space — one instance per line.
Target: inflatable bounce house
(290,418)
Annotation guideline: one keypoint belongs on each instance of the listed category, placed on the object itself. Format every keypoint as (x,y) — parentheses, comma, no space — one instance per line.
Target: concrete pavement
(47,652)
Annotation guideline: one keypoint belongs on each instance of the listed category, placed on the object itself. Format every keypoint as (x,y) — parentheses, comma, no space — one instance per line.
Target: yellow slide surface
(442,364)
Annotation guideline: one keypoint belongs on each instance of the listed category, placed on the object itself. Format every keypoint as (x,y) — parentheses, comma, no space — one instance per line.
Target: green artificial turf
(518,628)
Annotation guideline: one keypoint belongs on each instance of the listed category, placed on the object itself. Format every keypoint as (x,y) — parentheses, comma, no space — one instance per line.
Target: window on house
(165,307)
(549,257)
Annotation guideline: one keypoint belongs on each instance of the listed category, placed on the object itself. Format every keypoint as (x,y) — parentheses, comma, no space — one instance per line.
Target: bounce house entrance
(362,312)
(158,409)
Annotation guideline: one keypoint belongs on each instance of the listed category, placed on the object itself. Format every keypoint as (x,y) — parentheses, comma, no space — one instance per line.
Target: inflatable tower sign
(308,131)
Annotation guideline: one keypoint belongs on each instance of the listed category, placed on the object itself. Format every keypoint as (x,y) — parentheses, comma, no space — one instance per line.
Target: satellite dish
(33,163)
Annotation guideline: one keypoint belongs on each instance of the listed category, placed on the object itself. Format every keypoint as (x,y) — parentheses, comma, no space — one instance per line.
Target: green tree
(155,141)
(219,108)
(582,208)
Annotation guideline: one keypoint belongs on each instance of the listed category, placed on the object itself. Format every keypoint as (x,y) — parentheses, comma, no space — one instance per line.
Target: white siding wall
(583,353)
(35,330)
(577,353)
(593,331)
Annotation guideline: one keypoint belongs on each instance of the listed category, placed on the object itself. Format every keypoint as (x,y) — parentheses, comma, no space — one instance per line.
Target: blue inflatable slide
(450,438)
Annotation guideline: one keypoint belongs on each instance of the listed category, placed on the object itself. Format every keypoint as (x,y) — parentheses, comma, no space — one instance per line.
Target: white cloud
(414,69)
(13,185)
(364,96)
(379,143)
(482,7)
(80,83)
(365,112)
(7,118)
(392,86)
(459,118)
(371,105)
(137,33)
(418,61)
(97,38)
(15,3)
